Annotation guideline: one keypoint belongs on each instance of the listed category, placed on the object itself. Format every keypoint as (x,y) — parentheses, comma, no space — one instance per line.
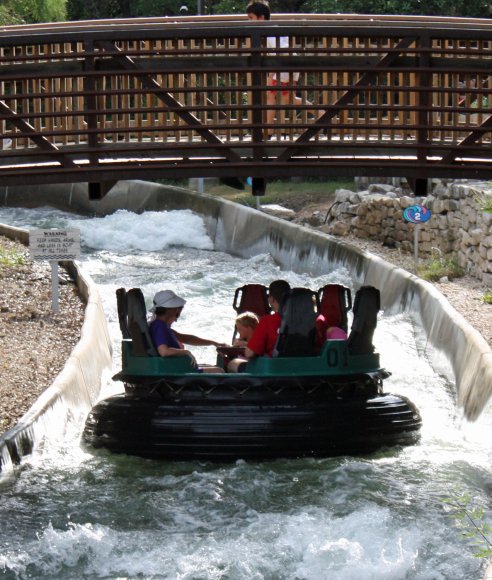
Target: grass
(485,202)
(436,268)
(10,258)
(290,194)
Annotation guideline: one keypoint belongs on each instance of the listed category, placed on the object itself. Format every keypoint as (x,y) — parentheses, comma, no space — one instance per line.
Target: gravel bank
(34,342)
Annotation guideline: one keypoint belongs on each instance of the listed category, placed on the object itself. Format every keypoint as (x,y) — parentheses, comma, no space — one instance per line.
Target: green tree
(230,7)
(94,9)
(163,7)
(8,17)
(32,11)
(466,8)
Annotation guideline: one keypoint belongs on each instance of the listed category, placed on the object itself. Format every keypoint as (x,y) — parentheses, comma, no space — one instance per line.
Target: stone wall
(457,229)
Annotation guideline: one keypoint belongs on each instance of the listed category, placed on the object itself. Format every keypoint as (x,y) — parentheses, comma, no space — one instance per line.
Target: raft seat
(367,304)
(132,314)
(135,364)
(335,301)
(297,333)
(252,298)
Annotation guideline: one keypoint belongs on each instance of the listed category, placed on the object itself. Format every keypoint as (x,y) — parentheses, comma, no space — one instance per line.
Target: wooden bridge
(178,97)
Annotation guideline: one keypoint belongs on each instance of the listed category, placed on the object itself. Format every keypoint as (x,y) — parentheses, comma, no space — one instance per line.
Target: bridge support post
(258,186)
(419,186)
(98,190)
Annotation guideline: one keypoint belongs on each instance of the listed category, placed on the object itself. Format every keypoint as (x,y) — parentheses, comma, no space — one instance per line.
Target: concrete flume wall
(75,389)
(245,232)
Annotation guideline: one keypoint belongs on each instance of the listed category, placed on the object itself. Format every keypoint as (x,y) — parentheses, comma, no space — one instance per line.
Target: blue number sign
(417,214)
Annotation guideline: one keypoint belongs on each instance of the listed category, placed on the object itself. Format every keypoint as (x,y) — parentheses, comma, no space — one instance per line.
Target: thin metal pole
(416,246)
(54,287)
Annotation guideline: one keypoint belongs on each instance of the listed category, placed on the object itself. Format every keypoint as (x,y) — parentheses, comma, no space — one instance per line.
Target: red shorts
(274,83)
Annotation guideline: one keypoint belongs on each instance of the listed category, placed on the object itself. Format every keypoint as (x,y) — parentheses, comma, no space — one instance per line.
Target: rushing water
(76,513)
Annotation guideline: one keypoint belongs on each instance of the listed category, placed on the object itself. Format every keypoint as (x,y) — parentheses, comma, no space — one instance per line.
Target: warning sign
(54,245)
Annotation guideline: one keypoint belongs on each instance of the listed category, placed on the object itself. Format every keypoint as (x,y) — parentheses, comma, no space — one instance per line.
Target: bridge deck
(148,98)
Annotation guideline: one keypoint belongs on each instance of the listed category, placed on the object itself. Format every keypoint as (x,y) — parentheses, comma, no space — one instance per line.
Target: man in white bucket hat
(167,299)
(166,309)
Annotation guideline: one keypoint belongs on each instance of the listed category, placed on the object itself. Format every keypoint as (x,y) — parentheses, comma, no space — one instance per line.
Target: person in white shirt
(260,10)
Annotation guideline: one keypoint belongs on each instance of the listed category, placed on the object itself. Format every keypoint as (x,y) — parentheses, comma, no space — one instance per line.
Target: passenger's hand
(194,364)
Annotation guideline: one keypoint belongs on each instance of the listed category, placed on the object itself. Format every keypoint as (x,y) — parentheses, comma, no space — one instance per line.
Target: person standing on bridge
(259,10)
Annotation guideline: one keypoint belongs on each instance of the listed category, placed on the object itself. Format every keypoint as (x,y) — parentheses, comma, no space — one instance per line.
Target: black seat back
(122,312)
(298,329)
(366,307)
(132,314)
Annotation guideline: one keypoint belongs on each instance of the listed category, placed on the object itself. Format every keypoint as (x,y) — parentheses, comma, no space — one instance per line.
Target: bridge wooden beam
(470,139)
(149,82)
(365,79)
(41,141)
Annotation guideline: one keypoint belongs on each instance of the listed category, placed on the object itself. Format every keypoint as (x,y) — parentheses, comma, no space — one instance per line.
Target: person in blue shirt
(167,307)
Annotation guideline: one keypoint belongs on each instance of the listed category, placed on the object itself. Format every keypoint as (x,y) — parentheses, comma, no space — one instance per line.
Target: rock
(340,229)
(380,188)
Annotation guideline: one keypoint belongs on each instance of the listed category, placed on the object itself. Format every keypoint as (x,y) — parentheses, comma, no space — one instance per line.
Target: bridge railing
(107,100)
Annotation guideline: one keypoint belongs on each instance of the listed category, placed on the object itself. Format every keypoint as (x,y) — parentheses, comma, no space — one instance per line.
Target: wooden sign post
(54,246)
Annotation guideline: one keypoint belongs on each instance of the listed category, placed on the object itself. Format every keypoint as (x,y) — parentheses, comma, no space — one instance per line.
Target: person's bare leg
(271,100)
(212,369)
(234,364)
(298,101)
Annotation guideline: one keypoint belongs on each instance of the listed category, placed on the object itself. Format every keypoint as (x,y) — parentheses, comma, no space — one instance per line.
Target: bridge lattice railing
(189,96)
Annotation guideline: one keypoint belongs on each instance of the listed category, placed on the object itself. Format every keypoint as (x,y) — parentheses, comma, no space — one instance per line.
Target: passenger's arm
(248,353)
(196,340)
(165,351)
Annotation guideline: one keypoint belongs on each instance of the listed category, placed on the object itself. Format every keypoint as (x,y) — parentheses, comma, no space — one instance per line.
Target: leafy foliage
(32,11)
(478,8)
(90,9)
(487,297)
(18,11)
(485,202)
(470,519)
(8,17)
(439,267)
(93,9)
